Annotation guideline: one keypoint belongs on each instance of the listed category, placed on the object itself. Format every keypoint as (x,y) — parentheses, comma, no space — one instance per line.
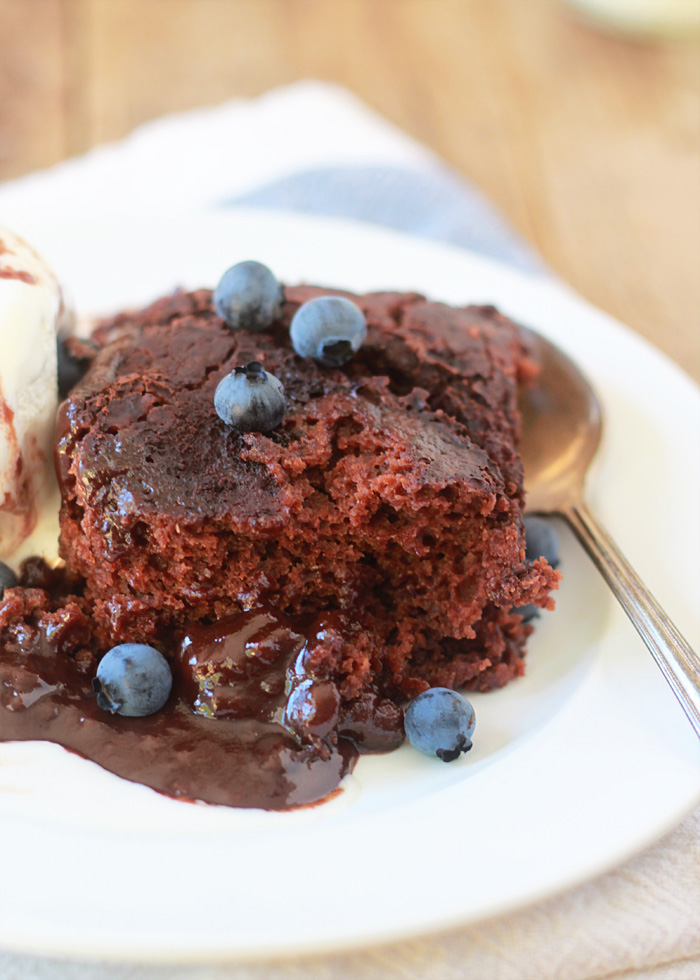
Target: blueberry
(330,329)
(70,368)
(250,399)
(541,540)
(133,680)
(440,722)
(248,297)
(528,612)
(8,579)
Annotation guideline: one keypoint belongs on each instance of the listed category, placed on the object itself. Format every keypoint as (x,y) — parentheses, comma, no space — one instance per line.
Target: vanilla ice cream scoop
(32,311)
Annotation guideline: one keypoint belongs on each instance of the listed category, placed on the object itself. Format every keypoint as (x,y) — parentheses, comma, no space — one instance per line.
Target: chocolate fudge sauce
(246,725)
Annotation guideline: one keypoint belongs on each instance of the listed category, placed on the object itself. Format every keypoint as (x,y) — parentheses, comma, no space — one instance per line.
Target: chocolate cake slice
(386,509)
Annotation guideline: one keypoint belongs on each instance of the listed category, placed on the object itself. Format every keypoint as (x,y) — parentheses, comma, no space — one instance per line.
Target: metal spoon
(562,425)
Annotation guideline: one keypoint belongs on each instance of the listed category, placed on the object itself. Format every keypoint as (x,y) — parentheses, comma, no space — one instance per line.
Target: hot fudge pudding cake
(287,514)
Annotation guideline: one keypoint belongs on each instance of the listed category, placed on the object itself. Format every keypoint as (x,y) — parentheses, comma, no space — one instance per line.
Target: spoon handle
(678,662)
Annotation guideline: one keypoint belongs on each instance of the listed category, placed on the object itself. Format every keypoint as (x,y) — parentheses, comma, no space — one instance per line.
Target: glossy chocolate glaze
(247,724)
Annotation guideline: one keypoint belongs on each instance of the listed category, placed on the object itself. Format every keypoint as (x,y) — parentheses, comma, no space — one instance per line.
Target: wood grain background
(589,144)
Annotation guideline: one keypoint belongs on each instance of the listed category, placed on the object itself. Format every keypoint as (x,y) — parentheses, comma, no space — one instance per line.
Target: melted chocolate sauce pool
(246,725)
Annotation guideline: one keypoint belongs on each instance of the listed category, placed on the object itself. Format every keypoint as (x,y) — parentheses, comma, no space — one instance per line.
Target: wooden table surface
(589,144)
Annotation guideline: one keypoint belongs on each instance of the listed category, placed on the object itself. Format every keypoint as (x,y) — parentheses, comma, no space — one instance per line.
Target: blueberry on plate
(528,612)
(250,399)
(70,367)
(248,297)
(440,722)
(8,579)
(541,540)
(132,680)
(330,329)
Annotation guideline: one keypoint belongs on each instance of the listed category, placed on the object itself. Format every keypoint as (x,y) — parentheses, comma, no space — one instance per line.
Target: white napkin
(310,147)
(313,147)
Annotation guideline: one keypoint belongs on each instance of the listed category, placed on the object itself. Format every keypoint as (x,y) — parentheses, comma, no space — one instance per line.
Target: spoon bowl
(562,424)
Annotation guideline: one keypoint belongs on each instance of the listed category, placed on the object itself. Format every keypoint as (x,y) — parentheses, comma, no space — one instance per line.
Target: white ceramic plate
(577,766)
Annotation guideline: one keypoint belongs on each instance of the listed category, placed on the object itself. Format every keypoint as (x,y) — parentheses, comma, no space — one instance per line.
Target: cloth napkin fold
(313,147)
(309,147)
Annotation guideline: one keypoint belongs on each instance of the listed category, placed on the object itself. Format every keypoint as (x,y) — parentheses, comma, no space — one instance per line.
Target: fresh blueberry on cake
(250,399)
(329,328)
(248,297)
